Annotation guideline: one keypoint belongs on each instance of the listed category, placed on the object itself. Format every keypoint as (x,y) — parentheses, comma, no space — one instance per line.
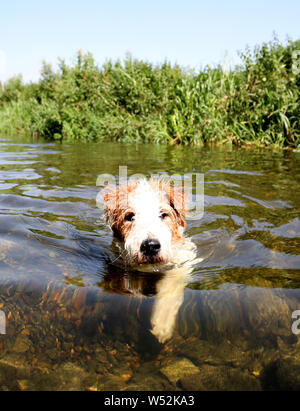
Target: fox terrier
(147,218)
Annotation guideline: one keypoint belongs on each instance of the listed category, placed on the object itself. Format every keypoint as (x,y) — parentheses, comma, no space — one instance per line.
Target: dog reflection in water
(147,218)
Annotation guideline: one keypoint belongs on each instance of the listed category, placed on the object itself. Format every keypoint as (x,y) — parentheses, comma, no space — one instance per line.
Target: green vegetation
(257,102)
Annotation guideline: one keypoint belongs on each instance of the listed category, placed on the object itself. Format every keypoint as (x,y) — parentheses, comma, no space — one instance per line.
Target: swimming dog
(147,218)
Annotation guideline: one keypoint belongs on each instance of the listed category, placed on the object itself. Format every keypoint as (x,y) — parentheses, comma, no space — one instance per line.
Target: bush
(257,102)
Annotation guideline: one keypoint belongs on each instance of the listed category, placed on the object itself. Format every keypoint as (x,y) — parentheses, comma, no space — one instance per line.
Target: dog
(147,218)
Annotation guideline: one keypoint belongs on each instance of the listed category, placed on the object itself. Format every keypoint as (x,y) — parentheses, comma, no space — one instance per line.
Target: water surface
(75,320)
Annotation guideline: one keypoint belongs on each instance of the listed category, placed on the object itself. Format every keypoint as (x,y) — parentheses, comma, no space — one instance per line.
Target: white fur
(145,203)
(170,291)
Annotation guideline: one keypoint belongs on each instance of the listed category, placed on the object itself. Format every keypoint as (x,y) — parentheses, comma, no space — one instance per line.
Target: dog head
(148,217)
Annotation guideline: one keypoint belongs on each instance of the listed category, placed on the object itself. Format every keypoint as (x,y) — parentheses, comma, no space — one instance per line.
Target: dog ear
(111,200)
(178,202)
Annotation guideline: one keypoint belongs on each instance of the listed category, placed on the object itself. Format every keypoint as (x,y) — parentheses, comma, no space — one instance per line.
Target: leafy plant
(132,100)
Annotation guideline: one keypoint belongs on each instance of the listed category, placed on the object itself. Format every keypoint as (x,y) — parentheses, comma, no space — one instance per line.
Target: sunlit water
(76,320)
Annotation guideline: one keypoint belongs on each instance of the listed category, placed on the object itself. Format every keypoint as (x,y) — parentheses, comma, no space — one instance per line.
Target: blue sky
(190,32)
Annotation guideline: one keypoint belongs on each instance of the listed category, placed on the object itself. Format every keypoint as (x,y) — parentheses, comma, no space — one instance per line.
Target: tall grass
(132,100)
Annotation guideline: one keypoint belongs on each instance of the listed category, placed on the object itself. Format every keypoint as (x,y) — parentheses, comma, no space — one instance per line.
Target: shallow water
(76,320)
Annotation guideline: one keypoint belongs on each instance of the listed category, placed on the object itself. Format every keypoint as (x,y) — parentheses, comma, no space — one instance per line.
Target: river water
(73,319)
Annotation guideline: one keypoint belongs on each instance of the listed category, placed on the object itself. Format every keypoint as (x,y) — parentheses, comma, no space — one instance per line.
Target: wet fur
(124,201)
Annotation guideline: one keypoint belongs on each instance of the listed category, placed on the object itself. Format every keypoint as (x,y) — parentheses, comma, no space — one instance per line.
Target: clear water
(75,320)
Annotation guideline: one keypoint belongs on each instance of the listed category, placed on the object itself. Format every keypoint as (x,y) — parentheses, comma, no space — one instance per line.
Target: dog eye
(163,215)
(129,217)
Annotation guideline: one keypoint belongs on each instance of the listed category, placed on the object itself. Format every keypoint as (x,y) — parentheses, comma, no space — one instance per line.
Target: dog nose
(150,247)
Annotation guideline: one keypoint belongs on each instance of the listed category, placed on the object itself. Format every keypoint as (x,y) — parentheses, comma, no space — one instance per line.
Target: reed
(256,102)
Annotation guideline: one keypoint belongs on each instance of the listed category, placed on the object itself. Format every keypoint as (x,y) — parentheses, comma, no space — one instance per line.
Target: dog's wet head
(147,217)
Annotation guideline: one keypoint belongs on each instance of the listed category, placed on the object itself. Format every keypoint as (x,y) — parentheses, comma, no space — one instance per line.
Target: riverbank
(135,101)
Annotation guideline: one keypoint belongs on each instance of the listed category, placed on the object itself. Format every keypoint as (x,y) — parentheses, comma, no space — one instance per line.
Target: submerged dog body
(147,217)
